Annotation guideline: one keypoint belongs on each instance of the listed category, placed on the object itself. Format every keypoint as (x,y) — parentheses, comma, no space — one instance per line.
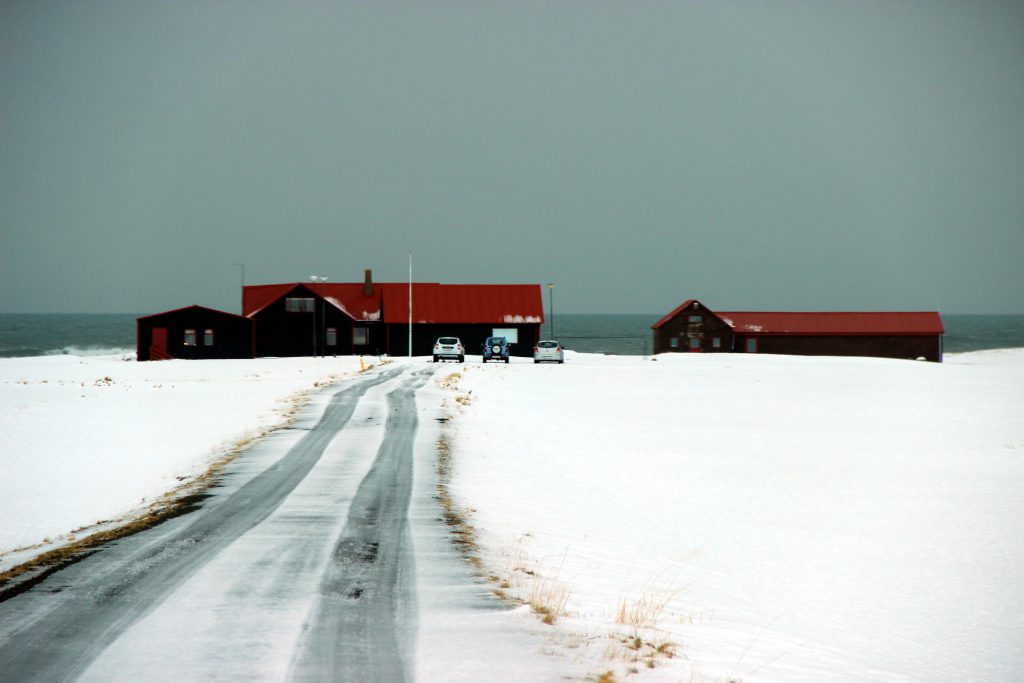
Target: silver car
(548,350)
(449,347)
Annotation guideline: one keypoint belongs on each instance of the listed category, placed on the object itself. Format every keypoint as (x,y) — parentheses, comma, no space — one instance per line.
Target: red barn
(694,327)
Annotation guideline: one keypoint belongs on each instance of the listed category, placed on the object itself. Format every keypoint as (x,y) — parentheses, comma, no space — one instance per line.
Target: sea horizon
(47,334)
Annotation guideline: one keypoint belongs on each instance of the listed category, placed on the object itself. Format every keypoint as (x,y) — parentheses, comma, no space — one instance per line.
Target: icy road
(300,566)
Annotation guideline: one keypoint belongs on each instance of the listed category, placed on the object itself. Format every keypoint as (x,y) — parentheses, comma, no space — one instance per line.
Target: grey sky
(756,155)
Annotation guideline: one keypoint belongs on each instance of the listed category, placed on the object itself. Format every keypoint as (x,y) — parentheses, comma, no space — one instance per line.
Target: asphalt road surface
(297,567)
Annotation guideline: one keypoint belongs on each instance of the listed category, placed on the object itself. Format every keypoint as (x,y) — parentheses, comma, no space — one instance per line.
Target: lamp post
(316,279)
(551,306)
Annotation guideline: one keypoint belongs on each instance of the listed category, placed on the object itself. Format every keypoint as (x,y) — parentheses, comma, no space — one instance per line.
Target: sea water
(32,334)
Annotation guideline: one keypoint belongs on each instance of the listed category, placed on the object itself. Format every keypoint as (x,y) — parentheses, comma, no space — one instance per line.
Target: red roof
(257,297)
(822,323)
(437,303)
(432,302)
(874,323)
(675,311)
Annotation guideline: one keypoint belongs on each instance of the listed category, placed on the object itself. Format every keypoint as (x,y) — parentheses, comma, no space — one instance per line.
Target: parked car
(449,347)
(495,348)
(548,350)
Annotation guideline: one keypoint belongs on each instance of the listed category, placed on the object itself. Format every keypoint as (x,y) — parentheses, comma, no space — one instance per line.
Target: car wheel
(435,358)
(462,359)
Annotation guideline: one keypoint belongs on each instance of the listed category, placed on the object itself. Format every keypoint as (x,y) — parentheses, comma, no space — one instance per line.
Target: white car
(548,350)
(449,347)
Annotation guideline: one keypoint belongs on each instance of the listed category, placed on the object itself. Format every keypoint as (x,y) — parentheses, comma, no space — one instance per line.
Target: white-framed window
(694,319)
(208,337)
(694,343)
(190,337)
(674,342)
(298,304)
(332,336)
(716,342)
(511,334)
(360,336)
(752,345)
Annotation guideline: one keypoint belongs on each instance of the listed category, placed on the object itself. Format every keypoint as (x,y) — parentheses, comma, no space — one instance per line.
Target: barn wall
(896,346)
(281,333)
(472,336)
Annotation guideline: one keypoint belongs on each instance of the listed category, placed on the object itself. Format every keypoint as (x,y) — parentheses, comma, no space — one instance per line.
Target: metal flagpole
(410,304)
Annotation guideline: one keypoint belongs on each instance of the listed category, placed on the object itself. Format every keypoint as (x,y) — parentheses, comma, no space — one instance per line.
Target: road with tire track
(298,567)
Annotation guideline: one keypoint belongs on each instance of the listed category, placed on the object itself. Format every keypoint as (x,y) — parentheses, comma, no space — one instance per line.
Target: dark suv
(496,348)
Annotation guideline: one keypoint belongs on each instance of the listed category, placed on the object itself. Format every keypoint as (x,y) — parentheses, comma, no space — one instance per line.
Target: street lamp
(316,279)
(551,306)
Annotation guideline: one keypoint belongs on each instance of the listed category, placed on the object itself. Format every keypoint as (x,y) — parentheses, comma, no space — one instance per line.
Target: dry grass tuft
(451,382)
(548,598)
(457,518)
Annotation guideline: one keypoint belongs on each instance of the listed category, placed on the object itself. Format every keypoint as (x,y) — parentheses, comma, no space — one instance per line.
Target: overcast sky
(756,155)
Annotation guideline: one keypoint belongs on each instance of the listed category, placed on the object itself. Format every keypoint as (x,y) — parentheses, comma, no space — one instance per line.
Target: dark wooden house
(316,319)
(303,319)
(194,332)
(695,328)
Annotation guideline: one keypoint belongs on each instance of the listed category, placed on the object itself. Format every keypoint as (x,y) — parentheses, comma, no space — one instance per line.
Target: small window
(751,346)
(694,343)
(674,342)
(332,336)
(694,319)
(360,336)
(297,304)
(207,337)
(190,337)
(716,342)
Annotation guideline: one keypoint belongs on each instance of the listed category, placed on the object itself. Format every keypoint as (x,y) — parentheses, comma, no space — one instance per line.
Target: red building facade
(692,327)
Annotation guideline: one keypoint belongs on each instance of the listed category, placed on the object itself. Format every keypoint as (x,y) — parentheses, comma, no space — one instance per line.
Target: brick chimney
(367,282)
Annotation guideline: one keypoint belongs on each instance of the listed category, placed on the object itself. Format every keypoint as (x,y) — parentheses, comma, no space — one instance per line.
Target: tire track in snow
(362,627)
(59,644)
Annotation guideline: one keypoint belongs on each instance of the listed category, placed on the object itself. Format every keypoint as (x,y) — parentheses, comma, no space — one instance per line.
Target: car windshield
(448,340)
(547,345)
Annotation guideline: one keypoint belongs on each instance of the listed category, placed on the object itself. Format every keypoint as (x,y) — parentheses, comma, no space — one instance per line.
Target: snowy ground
(764,518)
(94,438)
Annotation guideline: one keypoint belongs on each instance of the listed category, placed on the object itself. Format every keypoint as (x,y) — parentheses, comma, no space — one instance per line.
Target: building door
(694,345)
(158,349)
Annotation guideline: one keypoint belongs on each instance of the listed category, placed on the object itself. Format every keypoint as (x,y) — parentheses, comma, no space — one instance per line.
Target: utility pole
(410,304)
(551,306)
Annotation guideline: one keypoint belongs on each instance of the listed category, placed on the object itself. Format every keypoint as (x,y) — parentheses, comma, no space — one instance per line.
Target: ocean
(34,334)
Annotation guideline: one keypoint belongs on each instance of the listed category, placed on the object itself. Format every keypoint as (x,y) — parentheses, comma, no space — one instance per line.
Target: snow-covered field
(94,438)
(763,518)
